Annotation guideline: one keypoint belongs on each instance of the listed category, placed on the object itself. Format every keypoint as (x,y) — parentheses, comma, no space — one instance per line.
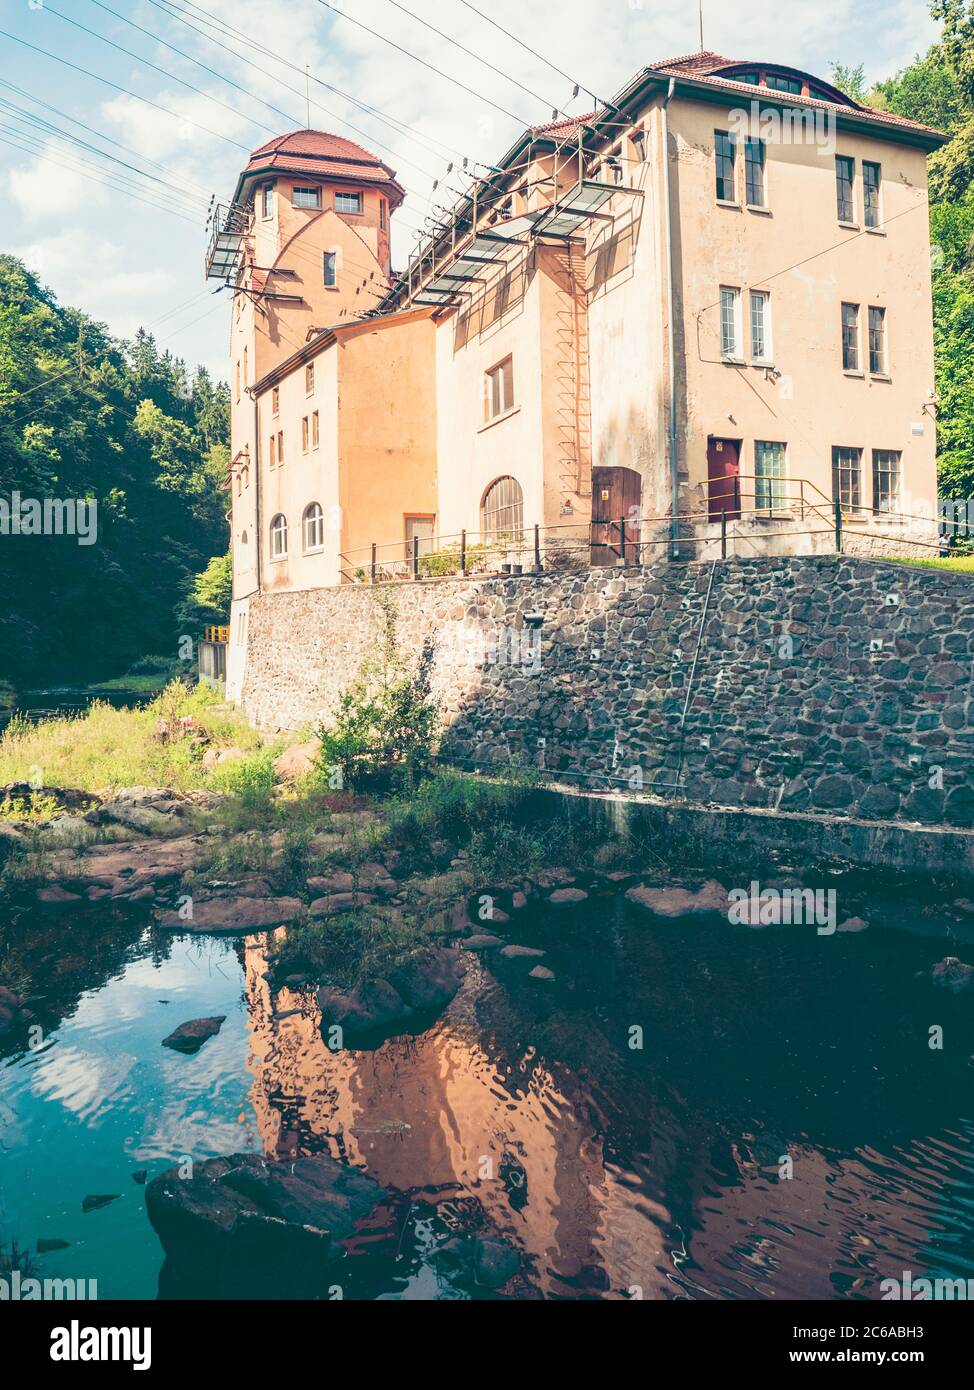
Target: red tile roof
(319,152)
(707,67)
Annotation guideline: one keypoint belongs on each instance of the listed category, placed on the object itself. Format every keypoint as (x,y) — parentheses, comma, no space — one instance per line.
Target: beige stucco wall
(798,251)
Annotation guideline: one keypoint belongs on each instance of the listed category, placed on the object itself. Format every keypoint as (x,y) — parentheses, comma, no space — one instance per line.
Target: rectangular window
(304,434)
(309,378)
(730,317)
(754,157)
(348,202)
(783,84)
(330,267)
(314,430)
(872,175)
(639,146)
(382,214)
(886,480)
(761,326)
(725,152)
(275,400)
(845,173)
(267,201)
(306,198)
(272,452)
(850,337)
(280,446)
(847,478)
(499,389)
(769,476)
(877,340)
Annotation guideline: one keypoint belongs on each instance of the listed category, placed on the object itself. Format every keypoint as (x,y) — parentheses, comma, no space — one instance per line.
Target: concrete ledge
(732,836)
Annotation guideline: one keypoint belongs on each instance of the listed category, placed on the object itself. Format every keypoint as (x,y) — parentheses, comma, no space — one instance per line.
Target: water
(525,1111)
(58,701)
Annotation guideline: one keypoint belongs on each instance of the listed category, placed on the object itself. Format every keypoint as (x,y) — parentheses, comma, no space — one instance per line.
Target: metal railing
(802,511)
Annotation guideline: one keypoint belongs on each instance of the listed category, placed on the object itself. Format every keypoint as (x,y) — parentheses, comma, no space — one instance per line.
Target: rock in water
(250,1227)
(952,974)
(190,1037)
(45,1247)
(99,1199)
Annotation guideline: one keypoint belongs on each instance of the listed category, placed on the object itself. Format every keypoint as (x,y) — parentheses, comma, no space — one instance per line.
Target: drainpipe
(671,291)
(257,528)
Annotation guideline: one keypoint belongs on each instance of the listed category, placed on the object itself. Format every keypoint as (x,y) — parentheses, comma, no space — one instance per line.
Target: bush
(384,734)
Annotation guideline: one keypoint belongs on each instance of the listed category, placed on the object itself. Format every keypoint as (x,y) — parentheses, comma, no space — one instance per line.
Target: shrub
(384,733)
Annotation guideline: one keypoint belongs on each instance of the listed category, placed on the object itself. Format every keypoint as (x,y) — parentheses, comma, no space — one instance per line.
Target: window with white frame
(279,537)
(730,322)
(502,510)
(305,434)
(348,202)
(886,481)
(499,389)
(314,429)
(267,201)
(769,475)
(306,198)
(275,400)
(314,528)
(761,351)
(309,378)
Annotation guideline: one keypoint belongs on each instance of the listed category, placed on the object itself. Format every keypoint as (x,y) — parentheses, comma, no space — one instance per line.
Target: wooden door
(616,501)
(724,478)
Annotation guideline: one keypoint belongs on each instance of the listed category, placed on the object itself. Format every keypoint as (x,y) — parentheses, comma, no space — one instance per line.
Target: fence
(723,526)
(956,518)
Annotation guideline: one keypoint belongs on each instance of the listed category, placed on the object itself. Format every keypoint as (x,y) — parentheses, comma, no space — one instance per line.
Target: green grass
(345,949)
(107,748)
(960,564)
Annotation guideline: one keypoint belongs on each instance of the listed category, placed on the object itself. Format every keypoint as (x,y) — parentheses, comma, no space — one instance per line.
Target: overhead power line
(455,81)
(176,115)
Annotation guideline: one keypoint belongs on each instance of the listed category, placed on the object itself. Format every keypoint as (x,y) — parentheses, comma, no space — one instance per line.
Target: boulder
(147,820)
(853,924)
(340,881)
(953,975)
(681,902)
(297,761)
(480,941)
(541,972)
(256,1228)
(56,896)
(334,903)
(190,1037)
(429,979)
(520,952)
(13,1010)
(372,1007)
(94,1201)
(564,897)
(234,915)
(554,878)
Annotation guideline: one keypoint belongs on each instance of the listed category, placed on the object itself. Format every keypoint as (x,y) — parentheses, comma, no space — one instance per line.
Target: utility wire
(430,66)
(224,27)
(176,115)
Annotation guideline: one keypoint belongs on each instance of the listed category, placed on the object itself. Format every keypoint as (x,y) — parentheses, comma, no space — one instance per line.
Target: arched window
(245,474)
(502,510)
(279,537)
(314,528)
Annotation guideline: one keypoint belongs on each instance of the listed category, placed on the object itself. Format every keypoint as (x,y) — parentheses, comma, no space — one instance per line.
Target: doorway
(723,479)
(616,503)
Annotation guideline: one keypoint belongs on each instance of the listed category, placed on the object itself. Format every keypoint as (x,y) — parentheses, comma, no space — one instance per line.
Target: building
(704,307)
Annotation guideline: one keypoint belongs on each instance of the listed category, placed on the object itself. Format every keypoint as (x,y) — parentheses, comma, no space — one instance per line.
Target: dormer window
(779,83)
(306,198)
(348,202)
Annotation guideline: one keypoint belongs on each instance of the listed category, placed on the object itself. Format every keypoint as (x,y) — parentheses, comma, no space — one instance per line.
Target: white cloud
(53,184)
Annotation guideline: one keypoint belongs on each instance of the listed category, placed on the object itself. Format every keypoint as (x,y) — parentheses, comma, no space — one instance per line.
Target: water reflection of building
(438,1117)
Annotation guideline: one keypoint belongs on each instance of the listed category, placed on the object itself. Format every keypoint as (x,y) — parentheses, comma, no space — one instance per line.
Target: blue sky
(130,250)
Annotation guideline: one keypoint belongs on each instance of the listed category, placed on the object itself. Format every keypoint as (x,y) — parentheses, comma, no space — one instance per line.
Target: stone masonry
(821,683)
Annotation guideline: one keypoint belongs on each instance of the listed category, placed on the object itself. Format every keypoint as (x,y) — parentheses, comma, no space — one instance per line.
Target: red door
(616,498)
(724,478)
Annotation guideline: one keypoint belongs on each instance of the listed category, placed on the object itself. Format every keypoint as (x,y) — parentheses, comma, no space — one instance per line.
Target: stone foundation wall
(822,683)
